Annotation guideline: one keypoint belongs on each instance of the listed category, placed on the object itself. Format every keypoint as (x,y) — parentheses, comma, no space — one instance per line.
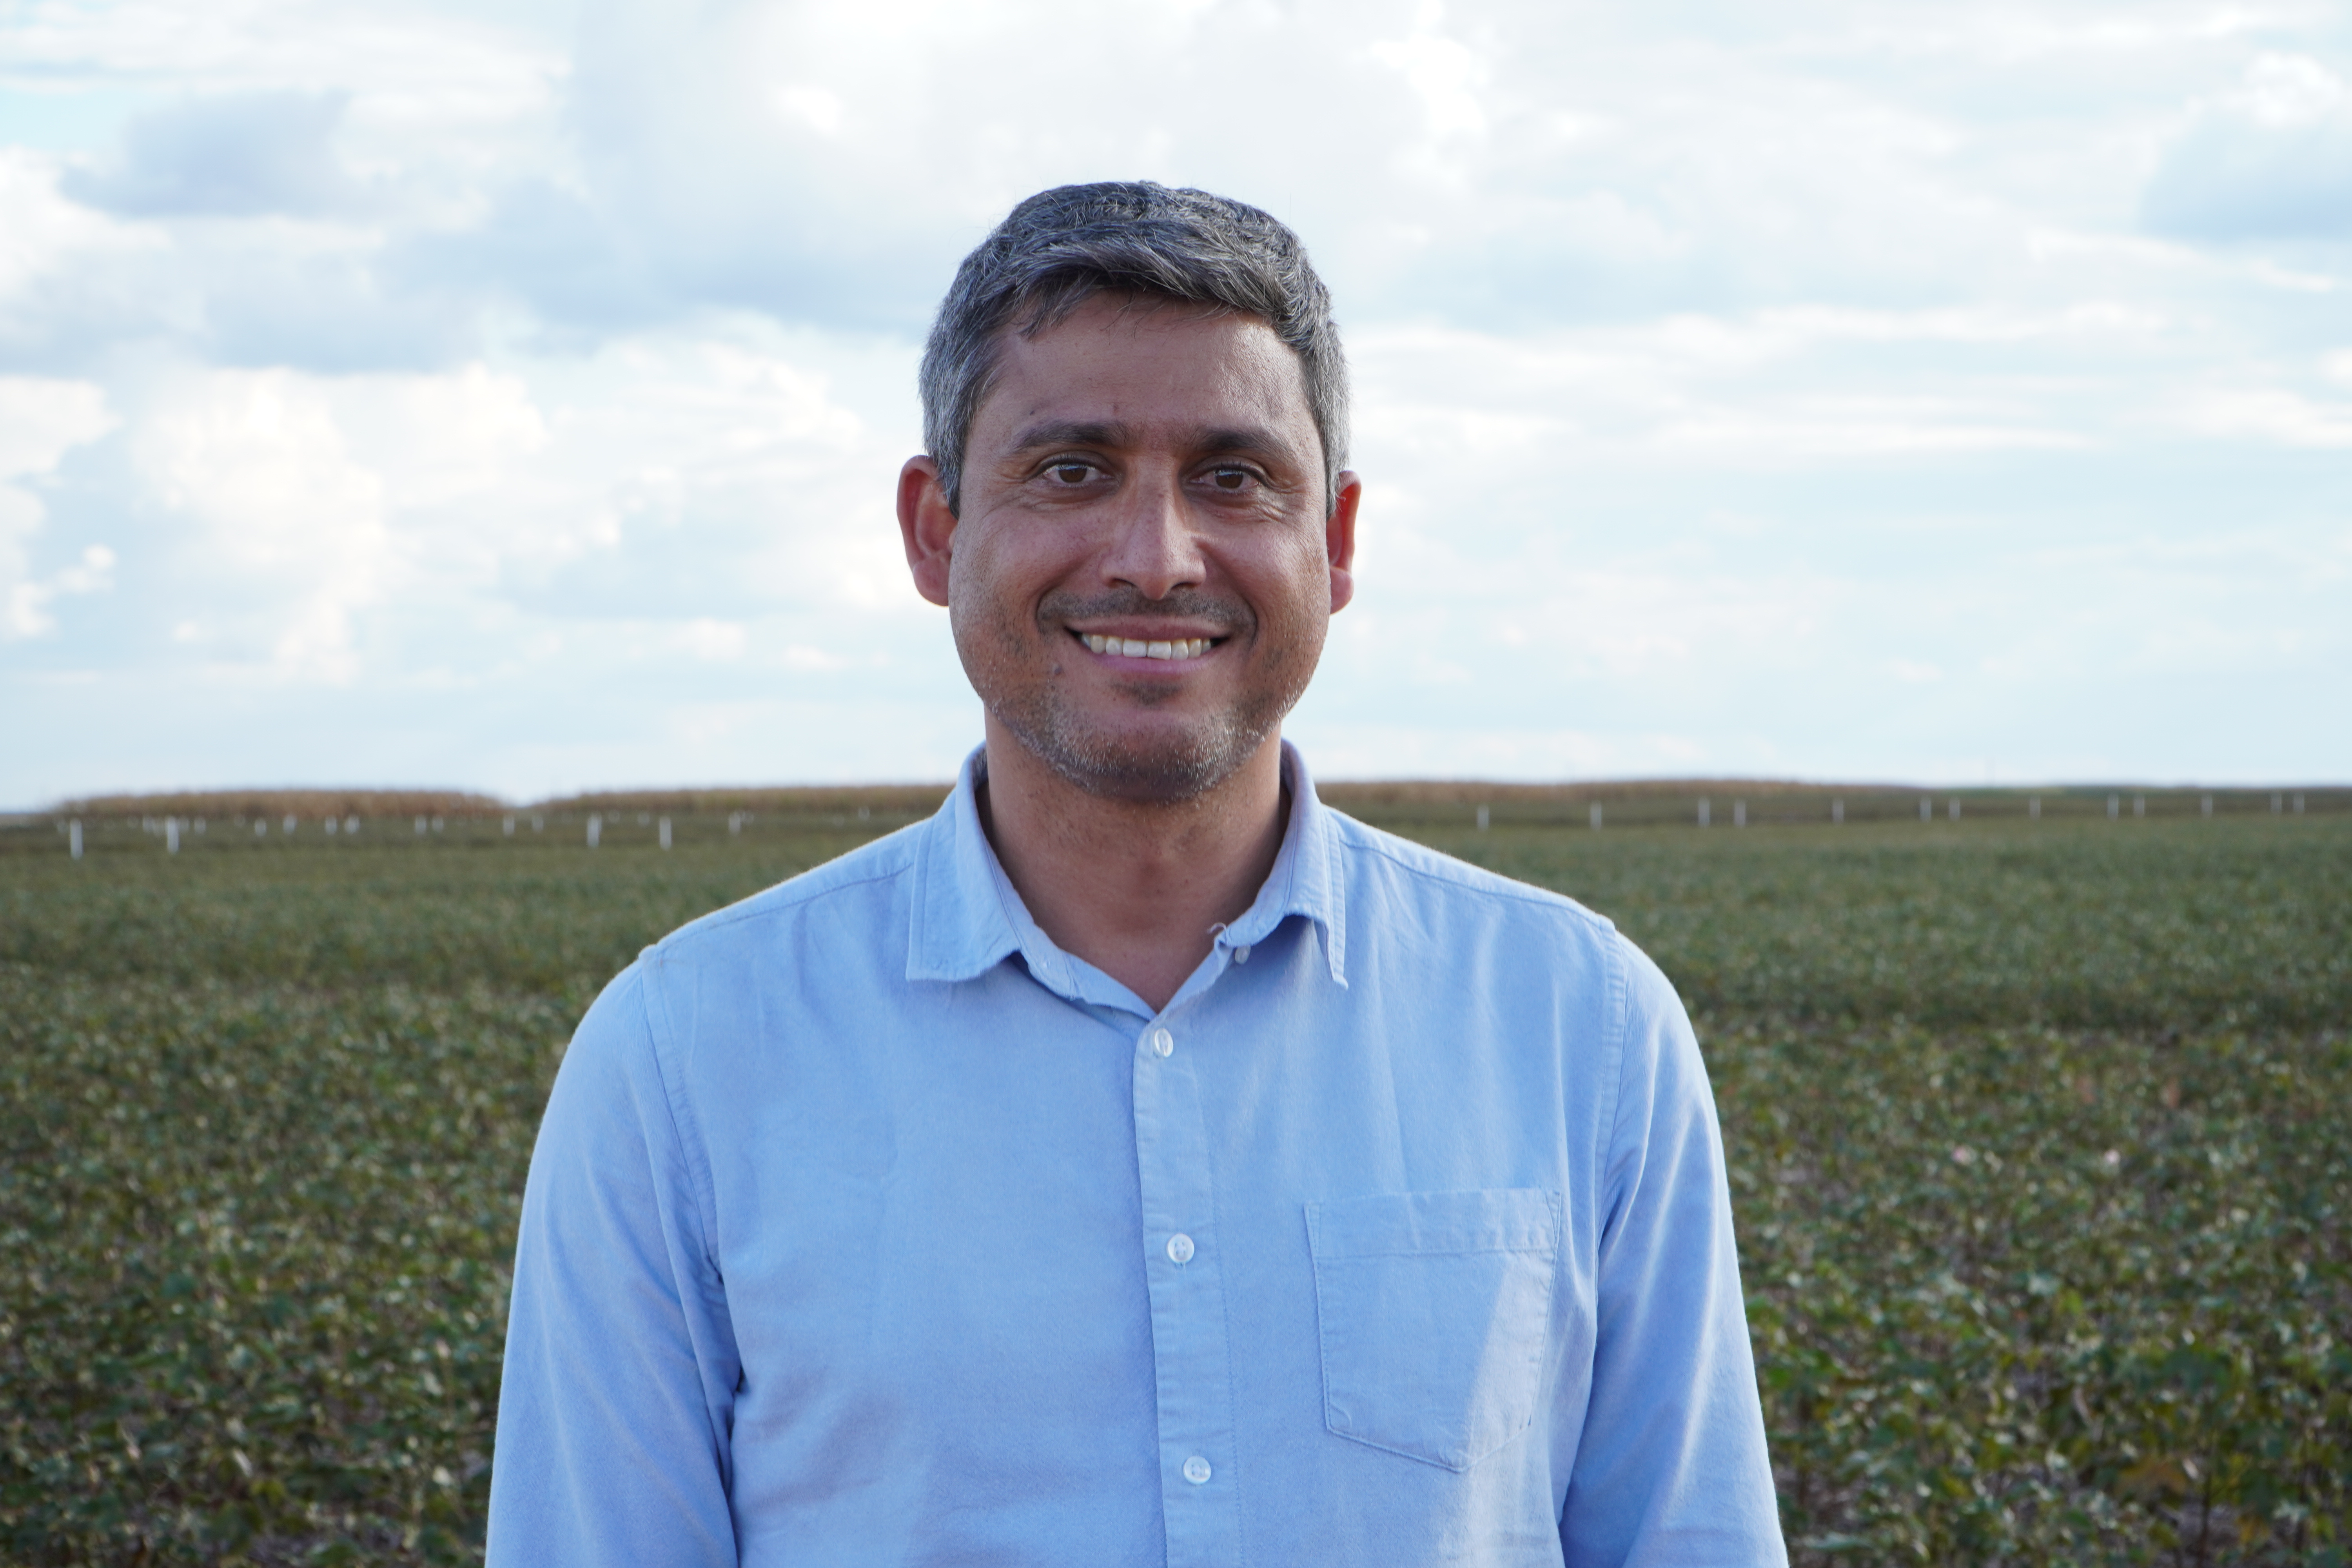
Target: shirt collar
(966,917)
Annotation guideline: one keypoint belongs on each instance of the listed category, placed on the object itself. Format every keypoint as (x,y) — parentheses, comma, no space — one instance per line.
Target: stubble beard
(1001,659)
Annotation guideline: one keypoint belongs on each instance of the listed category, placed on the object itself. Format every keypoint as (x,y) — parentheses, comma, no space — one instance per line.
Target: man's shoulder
(862,883)
(1432,878)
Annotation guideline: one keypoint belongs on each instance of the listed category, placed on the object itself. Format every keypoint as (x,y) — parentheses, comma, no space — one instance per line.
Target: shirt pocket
(1433,1309)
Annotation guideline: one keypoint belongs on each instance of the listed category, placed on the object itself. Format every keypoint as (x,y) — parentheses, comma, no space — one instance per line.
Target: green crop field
(2036,1129)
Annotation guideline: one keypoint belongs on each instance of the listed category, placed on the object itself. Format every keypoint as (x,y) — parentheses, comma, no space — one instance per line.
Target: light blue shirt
(868,1226)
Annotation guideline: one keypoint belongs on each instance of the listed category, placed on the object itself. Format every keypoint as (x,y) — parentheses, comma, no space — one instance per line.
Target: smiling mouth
(1132,647)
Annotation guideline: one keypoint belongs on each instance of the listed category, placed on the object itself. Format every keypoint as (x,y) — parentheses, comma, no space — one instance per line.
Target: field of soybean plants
(2036,1128)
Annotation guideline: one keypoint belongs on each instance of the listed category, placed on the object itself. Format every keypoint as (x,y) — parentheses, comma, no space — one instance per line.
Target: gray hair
(1061,248)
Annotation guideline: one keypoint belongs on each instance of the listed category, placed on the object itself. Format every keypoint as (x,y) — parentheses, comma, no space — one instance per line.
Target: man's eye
(1229,479)
(1071,473)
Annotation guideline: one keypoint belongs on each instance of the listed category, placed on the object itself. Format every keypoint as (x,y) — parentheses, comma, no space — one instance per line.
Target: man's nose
(1153,547)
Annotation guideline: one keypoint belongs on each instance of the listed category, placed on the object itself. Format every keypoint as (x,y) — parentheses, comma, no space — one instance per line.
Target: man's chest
(1007,1249)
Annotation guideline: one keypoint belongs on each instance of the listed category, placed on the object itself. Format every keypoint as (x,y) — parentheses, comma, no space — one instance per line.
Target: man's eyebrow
(1241,438)
(1114,433)
(1071,433)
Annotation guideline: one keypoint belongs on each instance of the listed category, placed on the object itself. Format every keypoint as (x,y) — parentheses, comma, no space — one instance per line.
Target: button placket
(1191,1361)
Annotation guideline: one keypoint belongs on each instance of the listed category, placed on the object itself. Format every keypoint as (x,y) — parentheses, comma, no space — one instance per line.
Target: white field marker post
(334,826)
(664,832)
(2114,806)
(734,824)
(1955,808)
(1596,816)
(289,824)
(2298,803)
(2207,807)
(2139,806)
(73,838)
(1702,810)
(1482,819)
(171,836)
(596,828)
(420,828)
(1738,814)
(1837,812)
(351,826)
(510,825)
(1927,808)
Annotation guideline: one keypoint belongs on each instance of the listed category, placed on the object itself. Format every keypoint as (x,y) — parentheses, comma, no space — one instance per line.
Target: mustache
(1230,617)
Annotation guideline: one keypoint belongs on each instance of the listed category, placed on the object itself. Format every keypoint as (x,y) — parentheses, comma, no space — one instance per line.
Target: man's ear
(926,526)
(1339,540)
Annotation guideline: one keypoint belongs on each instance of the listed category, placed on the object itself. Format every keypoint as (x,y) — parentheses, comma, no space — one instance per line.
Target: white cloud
(40,421)
(258,461)
(238,156)
(803,660)
(24,600)
(2270,158)
(706,639)
(1716,368)
(814,107)
(1448,76)
(2270,415)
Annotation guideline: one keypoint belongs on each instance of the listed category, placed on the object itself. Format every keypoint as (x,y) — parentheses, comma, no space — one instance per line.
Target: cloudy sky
(509,396)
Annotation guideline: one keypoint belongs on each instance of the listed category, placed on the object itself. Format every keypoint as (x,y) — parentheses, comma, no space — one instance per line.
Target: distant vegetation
(1398,802)
(2035,1129)
(307,804)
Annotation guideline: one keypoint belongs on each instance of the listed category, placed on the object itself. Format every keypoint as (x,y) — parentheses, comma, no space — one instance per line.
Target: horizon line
(407,800)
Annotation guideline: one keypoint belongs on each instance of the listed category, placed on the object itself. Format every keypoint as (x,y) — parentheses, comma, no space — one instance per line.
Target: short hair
(1063,247)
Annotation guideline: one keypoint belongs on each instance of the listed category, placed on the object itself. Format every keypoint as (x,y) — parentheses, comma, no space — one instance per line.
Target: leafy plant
(2034,1133)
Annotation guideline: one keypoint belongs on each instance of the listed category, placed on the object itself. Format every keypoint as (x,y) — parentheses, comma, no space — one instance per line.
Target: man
(1137,1162)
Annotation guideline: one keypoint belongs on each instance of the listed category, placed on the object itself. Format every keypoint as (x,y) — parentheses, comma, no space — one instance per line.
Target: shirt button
(1179,1248)
(1241,953)
(1196,1469)
(1163,1044)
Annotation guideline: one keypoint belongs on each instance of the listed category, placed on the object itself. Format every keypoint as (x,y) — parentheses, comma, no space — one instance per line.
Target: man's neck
(1133,887)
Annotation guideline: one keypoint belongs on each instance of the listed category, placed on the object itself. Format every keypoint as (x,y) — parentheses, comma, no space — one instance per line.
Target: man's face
(1146,560)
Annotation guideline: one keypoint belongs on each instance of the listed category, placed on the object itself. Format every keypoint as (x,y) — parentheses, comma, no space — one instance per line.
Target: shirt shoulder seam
(779,899)
(684,1127)
(1493,884)
(1620,1014)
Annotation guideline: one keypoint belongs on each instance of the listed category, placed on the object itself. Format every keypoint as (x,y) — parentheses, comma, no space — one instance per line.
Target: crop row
(2035,1137)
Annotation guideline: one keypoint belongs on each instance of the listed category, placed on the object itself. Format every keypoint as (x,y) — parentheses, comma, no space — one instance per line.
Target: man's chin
(1154,770)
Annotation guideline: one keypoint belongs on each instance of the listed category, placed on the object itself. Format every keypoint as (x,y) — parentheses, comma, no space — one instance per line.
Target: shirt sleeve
(1671,1467)
(614,1410)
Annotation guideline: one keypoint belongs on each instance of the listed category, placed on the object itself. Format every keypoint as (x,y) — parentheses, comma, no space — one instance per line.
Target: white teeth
(1128,648)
